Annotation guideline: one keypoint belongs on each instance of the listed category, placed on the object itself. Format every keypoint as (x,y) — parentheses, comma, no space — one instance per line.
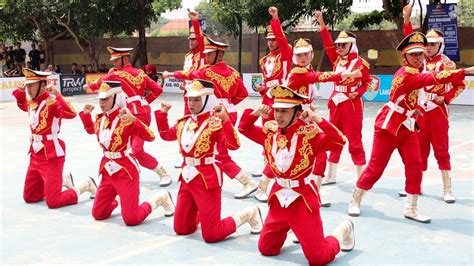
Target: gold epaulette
(270,126)
(97,116)
(51,99)
(411,70)
(215,123)
(111,70)
(447,63)
(310,130)
(365,63)
(182,118)
(299,70)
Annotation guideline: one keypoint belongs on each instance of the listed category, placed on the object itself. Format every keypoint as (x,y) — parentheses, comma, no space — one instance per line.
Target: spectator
(29,65)
(20,55)
(50,69)
(83,69)
(34,55)
(3,59)
(103,68)
(16,72)
(11,58)
(57,69)
(42,54)
(90,69)
(74,69)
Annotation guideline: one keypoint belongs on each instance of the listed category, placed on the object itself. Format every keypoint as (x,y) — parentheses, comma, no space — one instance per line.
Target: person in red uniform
(303,79)
(230,91)
(135,83)
(345,103)
(114,128)
(199,134)
(291,143)
(47,151)
(434,123)
(275,67)
(395,125)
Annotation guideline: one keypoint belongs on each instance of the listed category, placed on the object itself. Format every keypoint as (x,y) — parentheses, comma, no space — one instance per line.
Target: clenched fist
(126,116)
(165,107)
(88,108)
(273,11)
(263,110)
(221,112)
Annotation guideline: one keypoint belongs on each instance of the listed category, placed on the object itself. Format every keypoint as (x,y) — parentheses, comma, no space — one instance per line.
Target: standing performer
(291,143)
(134,83)
(199,135)
(302,80)
(345,103)
(47,150)
(434,123)
(115,127)
(395,125)
(275,68)
(229,90)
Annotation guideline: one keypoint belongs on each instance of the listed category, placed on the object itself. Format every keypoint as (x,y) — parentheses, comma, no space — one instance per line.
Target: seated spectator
(103,68)
(74,69)
(90,69)
(50,68)
(57,69)
(42,55)
(83,69)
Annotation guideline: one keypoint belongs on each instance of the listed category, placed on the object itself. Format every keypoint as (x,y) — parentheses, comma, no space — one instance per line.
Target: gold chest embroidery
(118,135)
(44,115)
(412,99)
(225,82)
(305,151)
(203,143)
(281,141)
(136,81)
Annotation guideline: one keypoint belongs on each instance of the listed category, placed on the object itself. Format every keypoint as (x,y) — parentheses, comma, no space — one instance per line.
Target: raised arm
(241,93)
(407,27)
(139,129)
(229,137)
(326,38)
(86,119)
(64,109)
(247,125)
(285,48)
(20,96)
(161,117)
(155,89)
(194,16)
(331,137)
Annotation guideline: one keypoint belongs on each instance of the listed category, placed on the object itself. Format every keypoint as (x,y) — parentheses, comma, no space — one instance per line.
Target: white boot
(354,205)
(261,194)
(165,178)
(68,181)
(249,186)
(164,199)
(448,194)
(252,216)
(324,203)
(331,176)
(344,233)
(360,169)
(87,186)
(411,210)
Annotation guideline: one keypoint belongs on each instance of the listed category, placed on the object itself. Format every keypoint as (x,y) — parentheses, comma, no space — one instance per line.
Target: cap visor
(102,95)
(209,50)
(283,105)
(434,40)
(30,81)
(415,50)
(114,57)
(302,50)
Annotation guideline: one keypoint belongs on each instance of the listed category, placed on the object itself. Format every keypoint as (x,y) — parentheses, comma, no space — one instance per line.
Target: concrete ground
(32,233)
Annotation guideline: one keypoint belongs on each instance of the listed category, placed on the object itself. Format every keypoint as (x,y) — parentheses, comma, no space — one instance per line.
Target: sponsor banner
(379,89)
(443,17)
(72,84)
(250,80)
(171,85)
(8,85)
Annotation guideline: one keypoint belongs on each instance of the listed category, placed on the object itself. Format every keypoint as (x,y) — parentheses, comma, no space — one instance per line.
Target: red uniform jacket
(45,113)
(403,98)
(277,64)
(301,80)
(134,83)
(349,63)
(208,133)
(120,139)
(303,141)
(227,82)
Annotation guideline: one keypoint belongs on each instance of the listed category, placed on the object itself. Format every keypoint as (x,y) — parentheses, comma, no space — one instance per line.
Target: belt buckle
(286,183)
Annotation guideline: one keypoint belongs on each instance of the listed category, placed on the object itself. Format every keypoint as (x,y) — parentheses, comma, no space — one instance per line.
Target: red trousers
(319,166)
(228,166)
(197,204)
(384,144)
(349,122)
(434,131)
(44,179)
(307,227)
(128,189)
(144,159)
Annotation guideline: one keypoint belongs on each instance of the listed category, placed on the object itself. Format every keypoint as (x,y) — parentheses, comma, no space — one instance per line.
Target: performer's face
(106,104)
(432,48)
(415,59)
(195,104)
(117,63)
(272,44)
(342,49)
(211,57)
(33,89)
(192,44)
(283,116)
(303,59)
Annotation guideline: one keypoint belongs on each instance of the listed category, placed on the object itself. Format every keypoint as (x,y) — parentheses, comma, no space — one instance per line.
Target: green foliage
(466,13)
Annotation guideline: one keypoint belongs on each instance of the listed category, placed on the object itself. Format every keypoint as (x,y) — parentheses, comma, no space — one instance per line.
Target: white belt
(400,109)
(137,98)
(191,161)
(230,107)
(35,137)
(115,155)
(288,183)
(431,96)
(272,83)
(344,89)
